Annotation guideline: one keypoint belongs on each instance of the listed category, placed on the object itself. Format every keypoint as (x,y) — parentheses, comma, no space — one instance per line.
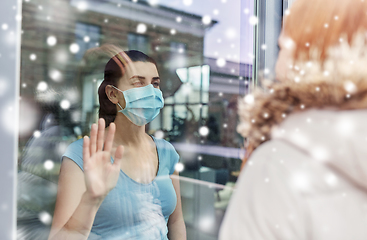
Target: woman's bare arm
(80,194)
(176,223)
(72,201)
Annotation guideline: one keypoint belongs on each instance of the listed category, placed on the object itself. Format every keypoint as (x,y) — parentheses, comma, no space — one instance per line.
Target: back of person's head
(322,64)
(113,73)
(317,25)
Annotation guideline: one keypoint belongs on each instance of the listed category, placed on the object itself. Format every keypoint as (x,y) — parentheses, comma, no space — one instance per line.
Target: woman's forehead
(142,68)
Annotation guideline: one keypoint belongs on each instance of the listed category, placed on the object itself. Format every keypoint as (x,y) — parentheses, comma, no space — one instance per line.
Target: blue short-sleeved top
(135,210)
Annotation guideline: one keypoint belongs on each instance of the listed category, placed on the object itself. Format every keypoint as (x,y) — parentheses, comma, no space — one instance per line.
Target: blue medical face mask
(143,104)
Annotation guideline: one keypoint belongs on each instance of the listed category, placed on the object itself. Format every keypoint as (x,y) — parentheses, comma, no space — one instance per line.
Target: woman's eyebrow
(137,76)
(143,78)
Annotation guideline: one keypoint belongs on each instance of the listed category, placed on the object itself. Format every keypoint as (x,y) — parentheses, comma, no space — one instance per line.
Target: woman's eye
(137,83)
(156,84)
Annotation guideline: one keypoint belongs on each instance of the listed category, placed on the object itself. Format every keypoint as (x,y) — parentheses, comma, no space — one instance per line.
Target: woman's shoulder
(163,144)
(167,153)
(75,146)
(75,152)
(77,143)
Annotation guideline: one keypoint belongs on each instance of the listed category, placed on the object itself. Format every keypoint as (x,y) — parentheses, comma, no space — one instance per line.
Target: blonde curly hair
(329,68)
(260,112)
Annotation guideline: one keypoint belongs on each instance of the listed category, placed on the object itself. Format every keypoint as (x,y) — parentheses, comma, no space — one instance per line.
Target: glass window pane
(203,70)
(138,42)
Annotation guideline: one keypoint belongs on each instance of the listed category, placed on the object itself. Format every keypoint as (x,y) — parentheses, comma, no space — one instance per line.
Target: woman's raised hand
(100,174)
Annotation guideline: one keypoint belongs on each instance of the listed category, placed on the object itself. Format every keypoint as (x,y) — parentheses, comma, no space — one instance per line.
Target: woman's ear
(112,94)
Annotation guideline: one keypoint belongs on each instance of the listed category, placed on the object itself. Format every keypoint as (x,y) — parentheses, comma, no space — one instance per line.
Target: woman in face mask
(306,175)
(116,184)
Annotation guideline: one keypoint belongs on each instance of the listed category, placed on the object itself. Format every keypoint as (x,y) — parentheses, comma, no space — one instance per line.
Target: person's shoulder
(75,146)
(271,184)
(77,143)
(164,144)
(274,159)
(168,153)
(278,151)
(75,152)
(279,163)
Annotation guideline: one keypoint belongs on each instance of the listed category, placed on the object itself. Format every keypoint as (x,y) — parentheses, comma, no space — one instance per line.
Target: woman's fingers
(100,135)
(96,143)
(118,156)
(93,139)
(86,153)
(110,137)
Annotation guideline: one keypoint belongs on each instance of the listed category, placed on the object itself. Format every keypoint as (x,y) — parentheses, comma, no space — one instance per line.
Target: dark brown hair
(114,70)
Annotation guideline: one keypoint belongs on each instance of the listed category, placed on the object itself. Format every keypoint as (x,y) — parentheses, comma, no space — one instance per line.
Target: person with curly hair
(305,172)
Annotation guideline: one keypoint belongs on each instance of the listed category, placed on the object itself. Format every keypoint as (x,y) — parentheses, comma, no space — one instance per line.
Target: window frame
(9,106)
